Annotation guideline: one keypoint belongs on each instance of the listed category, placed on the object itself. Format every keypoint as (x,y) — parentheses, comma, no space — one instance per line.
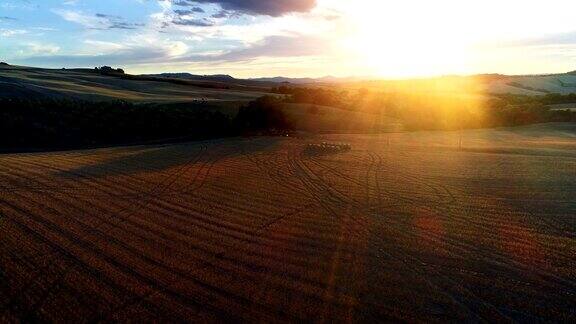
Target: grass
(316,118)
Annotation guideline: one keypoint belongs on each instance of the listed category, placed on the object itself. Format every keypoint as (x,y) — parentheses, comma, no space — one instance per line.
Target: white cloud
(11,32)
(97,47)
(32,49)
(96,21)
(88,21)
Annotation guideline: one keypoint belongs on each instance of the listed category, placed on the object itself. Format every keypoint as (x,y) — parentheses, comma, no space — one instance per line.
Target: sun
(405,42)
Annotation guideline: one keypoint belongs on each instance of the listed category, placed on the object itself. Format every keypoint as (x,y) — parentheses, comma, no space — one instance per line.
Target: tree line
(62,123)
(44,123)
(440,111)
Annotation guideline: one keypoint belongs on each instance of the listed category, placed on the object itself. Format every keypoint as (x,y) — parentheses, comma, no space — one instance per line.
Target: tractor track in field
(435,209)
(363,226)
(86,267)
(91,181)
(464,247)
(497,259)
(160,188)
(456,296)
(376,168)
(260,230)
(124,247)
(148,280)
(328,199)
(166,183)
(398,195)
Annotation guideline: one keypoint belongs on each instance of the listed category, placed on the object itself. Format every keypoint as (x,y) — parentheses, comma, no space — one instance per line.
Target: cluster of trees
(314,96)
(429,110)
(547,99)
(436,117)
(57,123)
(264,113)
(528,114)
(454,112)
(108,70)
(60,124)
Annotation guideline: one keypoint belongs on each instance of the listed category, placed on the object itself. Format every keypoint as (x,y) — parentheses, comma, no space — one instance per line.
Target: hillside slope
(535,84)
(18,81)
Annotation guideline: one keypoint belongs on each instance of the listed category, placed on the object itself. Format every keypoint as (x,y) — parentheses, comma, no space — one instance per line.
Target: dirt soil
(478,226)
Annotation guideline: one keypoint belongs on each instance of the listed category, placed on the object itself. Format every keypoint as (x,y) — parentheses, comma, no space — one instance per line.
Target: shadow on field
(520,151)
(132,160)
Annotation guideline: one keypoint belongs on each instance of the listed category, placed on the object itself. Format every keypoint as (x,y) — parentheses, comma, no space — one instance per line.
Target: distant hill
(254,81)
(215,77)
(492,83)
(91,84)
(287,80)
(326,79)
(88,84)
(535,84)
(220,78)
(563,83)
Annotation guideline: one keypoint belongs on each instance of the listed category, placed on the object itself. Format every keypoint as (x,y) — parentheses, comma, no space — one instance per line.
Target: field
(535,85)
(325,119)
(425,226)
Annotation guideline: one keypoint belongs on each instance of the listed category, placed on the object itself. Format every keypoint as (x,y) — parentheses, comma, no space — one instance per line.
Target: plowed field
(412,227)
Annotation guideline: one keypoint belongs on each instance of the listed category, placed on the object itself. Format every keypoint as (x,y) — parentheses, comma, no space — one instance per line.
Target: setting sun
(389,44)
(424,38)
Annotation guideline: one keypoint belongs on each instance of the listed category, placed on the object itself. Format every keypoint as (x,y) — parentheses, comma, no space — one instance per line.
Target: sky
(293,38)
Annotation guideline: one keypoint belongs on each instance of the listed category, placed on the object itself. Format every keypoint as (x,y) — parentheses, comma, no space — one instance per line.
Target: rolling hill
(535,84)
(89,84)
(16,81)
(226,94)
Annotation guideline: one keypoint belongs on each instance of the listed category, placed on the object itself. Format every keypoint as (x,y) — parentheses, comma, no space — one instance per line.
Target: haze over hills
(257,81)
(497,83)
(87,84)
(325,79)
(315,105)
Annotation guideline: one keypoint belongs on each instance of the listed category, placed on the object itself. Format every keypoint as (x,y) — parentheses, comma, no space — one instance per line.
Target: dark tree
(264,113)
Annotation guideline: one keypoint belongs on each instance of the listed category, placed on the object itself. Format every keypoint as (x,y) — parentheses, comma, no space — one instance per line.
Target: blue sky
(293,37)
